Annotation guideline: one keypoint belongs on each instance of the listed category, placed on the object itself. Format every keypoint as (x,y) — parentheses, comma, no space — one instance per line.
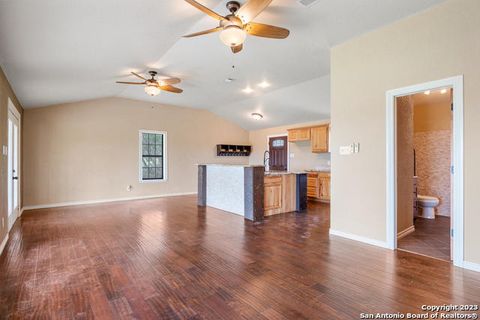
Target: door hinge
(452,169)
(451,106)
(451,233)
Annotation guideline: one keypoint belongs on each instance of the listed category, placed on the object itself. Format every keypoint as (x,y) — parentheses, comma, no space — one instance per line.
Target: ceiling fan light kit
(235,26)
(233,36)
(153,87)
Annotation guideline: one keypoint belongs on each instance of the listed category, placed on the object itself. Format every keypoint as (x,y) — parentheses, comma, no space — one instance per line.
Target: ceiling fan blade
(171,89)
(123,82)
(266,31)
(251,9)
(203,32)
(164,82)
(237,49)
(138,76)
(205,10)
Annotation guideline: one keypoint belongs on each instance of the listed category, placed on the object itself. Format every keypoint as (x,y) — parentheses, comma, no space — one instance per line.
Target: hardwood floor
(430,238)
(167,259)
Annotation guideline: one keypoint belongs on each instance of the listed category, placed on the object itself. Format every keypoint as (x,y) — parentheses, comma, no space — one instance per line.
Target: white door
(13,168)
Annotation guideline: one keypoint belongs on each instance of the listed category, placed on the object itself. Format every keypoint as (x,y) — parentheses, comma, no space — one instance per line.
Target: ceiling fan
(235,26)
(153,87)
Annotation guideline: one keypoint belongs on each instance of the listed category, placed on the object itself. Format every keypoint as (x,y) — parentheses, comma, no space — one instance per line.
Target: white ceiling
(57,51)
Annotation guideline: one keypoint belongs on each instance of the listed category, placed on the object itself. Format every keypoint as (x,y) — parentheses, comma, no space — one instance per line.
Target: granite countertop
(280,173)
(228,165)
(318,170)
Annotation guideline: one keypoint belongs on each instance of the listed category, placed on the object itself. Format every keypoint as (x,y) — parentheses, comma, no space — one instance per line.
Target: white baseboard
(354,237)
(3,244)
(406,232)
(80,203)
(471,266)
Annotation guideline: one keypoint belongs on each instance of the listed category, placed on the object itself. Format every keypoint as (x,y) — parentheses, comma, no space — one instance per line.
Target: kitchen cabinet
(319,138)
(299,134)
(272,193)
(280,193)
(318,186)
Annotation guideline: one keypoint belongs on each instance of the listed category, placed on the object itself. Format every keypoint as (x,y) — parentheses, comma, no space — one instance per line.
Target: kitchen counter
(249,191)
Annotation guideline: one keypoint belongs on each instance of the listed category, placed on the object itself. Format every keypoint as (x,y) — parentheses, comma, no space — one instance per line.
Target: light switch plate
(346,150)
(292,155)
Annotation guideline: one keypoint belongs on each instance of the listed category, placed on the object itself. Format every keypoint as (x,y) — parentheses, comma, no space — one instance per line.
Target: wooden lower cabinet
(273,193)
(279,194)
(318,186)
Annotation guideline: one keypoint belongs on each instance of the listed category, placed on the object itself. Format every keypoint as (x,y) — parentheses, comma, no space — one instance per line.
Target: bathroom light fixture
(427,92)
(152,90)
(443,91)
(248,90)
(257,116)
(264,84)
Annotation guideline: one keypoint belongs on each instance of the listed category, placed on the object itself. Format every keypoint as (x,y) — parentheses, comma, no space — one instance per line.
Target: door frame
(288,147)
(456,83)
(13,110)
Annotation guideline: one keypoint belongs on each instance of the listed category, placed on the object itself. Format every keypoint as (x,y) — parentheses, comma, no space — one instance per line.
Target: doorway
(395,173)
(278,153)
(13,155)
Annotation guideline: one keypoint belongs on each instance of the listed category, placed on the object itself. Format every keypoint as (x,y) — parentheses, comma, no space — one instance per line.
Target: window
(152,155)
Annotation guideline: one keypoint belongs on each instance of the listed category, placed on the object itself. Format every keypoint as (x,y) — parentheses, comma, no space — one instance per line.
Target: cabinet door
(319,137)
(300,134)
(312,186)
(325,188)
(273,197)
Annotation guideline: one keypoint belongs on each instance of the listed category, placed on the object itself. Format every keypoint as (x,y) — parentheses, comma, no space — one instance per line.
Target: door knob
(14,178)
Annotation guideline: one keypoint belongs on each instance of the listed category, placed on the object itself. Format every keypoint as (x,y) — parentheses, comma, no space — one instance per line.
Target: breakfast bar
(249,191)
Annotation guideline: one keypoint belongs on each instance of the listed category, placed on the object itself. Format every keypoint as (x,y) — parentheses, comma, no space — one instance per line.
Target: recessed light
(264,84)
(443,91)
(248,90)
(257,116)
(427,92)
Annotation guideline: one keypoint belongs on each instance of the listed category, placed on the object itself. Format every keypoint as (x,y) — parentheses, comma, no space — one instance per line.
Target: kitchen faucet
(266,158)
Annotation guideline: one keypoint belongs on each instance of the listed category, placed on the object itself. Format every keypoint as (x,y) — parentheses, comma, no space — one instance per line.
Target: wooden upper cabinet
(299,134)
(319,137)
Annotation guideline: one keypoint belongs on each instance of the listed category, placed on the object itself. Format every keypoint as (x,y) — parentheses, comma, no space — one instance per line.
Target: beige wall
(435,44)
(6,92)
(404,163)
(303,157)
(432,113)
(89,150)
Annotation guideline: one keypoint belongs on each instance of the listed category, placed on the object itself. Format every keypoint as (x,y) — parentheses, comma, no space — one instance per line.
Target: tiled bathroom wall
(433,166)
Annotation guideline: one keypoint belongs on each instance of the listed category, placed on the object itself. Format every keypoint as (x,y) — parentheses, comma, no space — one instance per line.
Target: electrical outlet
(292,155)
(129,188)
(5,150)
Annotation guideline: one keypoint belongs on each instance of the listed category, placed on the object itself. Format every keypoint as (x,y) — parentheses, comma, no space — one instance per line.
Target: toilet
(428,205)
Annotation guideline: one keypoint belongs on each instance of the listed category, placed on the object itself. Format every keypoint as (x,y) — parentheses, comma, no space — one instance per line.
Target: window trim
(140,156)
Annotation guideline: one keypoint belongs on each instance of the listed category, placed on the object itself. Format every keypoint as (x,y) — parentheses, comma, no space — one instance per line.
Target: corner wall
(88,151)
(436,44)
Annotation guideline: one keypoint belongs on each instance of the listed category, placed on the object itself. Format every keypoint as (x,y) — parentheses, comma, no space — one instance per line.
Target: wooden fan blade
(123,82)
(205,10)
(138,76)
(203,32)
(251,9)
(164,82)
(237,49)
(266,31)
(171,89)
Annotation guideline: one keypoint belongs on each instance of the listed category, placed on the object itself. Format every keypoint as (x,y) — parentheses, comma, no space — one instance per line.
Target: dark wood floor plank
(168,259)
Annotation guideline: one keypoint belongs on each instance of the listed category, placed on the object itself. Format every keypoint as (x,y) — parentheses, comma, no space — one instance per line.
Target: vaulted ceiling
(57,51)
